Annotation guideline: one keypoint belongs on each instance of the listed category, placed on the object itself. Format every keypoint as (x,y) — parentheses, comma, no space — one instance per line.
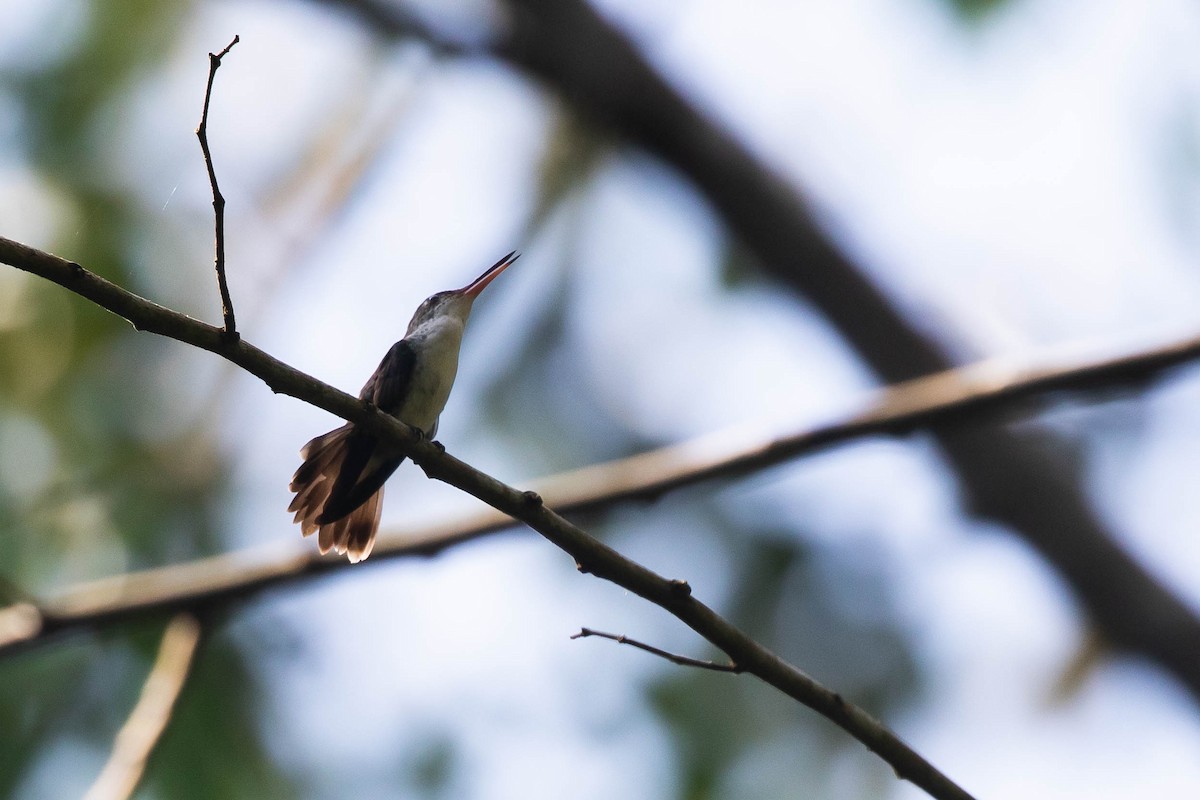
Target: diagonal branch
(148,721)
(214,63)
(1006,476)
(591,555)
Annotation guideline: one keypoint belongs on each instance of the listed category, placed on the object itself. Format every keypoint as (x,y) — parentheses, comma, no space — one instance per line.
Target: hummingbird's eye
(432,302)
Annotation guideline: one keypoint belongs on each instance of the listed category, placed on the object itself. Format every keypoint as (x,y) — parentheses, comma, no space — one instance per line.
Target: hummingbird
(339,487)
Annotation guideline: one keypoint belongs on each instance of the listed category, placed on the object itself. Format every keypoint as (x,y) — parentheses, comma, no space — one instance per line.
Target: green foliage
(213,747)
(66,101)
(431,769)
(976,10)
(85,488)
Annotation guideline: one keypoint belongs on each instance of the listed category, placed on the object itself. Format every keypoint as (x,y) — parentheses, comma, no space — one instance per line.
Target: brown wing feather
(323,457)
(361,527)
(339,487)
(354,534)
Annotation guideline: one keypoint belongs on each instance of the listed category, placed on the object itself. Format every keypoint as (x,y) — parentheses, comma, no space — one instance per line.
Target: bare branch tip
(216,57)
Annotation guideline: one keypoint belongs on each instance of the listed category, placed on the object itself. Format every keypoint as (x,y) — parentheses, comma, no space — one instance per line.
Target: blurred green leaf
(975,10)
(116,494)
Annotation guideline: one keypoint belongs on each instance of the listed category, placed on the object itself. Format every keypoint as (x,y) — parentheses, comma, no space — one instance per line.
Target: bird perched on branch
(339,487)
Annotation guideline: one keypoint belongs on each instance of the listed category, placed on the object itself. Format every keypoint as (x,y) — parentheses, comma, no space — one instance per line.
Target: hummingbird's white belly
(437,345)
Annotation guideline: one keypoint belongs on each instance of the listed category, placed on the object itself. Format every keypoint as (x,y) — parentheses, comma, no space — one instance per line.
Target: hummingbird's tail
(353,534)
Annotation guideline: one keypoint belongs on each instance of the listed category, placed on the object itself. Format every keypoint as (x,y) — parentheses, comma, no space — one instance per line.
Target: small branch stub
(681,587)
(230,329)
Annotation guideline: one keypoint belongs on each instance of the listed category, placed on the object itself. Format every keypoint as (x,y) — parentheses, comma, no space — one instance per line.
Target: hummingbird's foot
(533,498)
(422,436)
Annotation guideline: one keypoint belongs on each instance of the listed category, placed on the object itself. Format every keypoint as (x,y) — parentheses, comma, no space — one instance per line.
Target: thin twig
(591,555)
(214,63)
(683,661)
(148,721)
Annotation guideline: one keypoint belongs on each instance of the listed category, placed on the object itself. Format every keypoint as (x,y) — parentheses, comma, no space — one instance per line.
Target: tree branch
(399,23)
(936,400)
(1007,476)
(591,555)
(214,63)
(947,398)
(148,721)
(683,661)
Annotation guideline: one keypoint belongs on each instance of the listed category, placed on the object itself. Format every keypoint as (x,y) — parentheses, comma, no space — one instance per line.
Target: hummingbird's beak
(476,286)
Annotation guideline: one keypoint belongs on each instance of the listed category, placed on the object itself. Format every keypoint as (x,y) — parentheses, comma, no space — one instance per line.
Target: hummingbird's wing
(339,487)
(352,534)
(388,384)
(364,468)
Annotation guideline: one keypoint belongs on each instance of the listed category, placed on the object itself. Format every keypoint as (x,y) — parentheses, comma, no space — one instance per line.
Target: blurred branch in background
(96,399)
(591,555)
(956,396)
(148,721)
(1007,476)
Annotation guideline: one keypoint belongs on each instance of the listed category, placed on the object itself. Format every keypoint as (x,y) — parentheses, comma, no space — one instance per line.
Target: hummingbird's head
(457,302)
